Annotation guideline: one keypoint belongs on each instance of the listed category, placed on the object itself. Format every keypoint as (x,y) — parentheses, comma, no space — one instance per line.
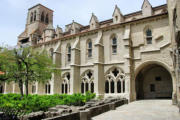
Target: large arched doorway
(153,82)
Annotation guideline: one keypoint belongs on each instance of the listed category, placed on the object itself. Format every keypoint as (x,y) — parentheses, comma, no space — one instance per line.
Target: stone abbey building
(133,56)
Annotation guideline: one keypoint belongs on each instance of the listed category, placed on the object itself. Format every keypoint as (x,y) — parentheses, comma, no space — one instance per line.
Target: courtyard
(143,110)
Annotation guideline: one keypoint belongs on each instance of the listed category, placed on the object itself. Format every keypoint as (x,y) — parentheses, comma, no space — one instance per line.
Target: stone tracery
(65,88)
(87,83)
(115,81)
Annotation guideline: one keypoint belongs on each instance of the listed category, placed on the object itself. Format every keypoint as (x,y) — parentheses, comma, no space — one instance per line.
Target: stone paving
(143,110)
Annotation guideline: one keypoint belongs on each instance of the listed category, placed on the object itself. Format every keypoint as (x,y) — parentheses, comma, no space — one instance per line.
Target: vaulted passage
(153,82)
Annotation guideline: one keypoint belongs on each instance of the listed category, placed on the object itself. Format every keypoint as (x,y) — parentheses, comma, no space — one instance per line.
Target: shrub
(14,104)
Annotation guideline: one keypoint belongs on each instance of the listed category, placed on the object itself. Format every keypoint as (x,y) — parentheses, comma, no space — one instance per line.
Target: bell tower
(38,18)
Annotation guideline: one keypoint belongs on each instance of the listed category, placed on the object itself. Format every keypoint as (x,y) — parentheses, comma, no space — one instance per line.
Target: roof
(41,6)
(1,73)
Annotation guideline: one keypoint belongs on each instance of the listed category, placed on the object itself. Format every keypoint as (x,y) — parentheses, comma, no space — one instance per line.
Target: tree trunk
(21,88)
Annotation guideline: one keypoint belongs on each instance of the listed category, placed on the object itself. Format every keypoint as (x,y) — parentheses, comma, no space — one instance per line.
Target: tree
(11,67)
(26,66)
(38,66)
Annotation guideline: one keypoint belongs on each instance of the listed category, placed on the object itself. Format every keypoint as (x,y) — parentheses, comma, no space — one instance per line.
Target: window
(31,19)
(119,86)
(149,36)
(33,89)
(34,15)
(51,52)
(65,86)
(69,53)
(87,83)
(115,81)
(82,87)
(158,78)
(92,87)
(114,45)
(42,17)
(47,18)
(48,88)
(107,86)
(89,49)
(152,87)
(112,86)
(116,17)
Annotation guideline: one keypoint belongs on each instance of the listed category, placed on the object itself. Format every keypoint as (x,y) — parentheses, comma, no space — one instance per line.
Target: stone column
(56,77)
(75,68)
(99,79)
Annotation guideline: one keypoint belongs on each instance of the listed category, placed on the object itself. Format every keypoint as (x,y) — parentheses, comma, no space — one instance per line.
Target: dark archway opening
(153,82)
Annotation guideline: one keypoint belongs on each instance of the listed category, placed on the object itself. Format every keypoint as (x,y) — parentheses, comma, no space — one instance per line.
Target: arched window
(47,88)
(69,53)
(47,19)
(33,89)
(123,86)
(107,86)
(149,36)
(114,45)
(65,87)
(87,81)
(87,87)
(82,87)
(92,87)
(117,81)
(51,52)
(89,49)
(31,18)
(42,17)
(119,86)
(34,15)
(62,88)
(112,86)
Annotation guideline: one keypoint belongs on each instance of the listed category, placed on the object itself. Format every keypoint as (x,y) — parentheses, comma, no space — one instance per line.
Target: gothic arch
(87,81)
(65,86)
(114,80)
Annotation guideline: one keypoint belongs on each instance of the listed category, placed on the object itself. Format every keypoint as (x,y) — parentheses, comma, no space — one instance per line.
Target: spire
(146,3)
(117,15)
(94,23)
(146,8)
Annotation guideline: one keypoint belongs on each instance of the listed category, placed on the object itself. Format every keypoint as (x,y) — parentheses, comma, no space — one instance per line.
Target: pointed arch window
(34,15)
(149,36)
(82,87)
(114,45)
(87,83)
(51,52)
(47,19)
(47,88)
(42,17)
(69,53)
(107,86)
(115,81)
(65,86)
(31,18)
(89,49)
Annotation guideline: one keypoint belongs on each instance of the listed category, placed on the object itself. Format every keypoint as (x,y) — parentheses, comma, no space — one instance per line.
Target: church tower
(38,18)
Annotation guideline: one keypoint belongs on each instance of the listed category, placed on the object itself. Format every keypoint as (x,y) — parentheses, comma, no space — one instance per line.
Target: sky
(13,13)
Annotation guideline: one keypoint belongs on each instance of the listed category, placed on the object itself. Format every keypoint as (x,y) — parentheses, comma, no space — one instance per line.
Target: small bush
(16,105)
